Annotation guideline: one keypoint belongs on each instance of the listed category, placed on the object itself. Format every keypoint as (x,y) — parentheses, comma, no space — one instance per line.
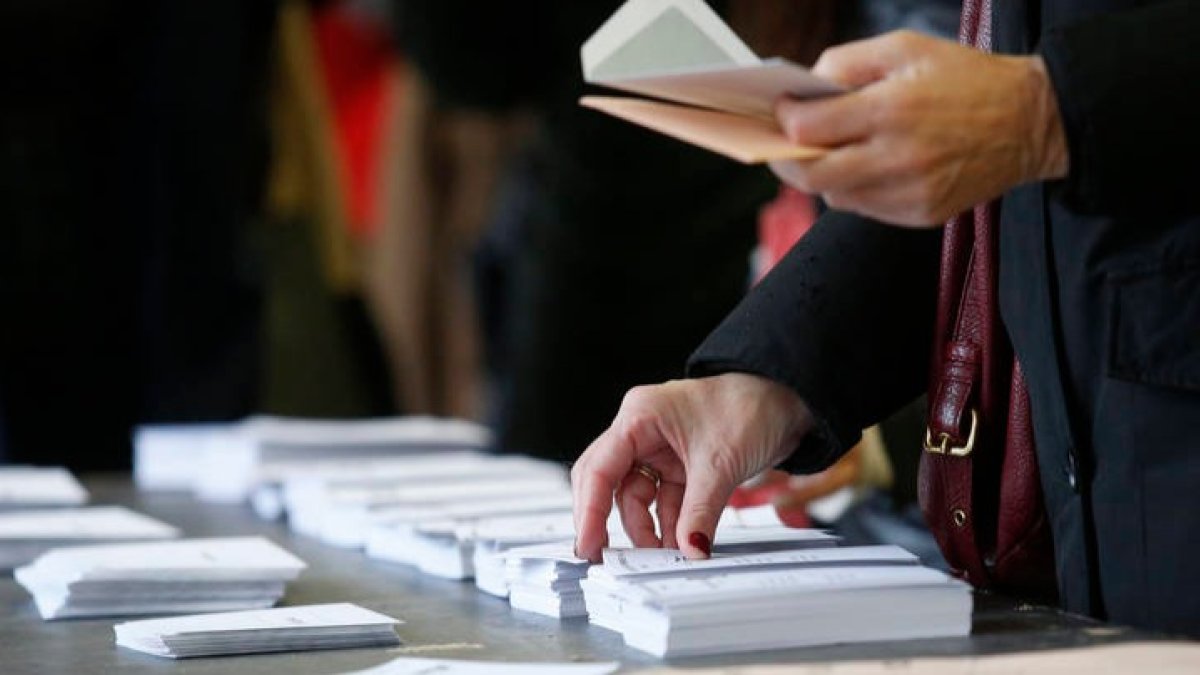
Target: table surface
(443,619)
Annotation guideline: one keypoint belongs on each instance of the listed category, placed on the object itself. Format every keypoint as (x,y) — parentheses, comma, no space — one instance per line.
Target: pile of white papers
(333,504)
(440,541)
(343,513)
(545,578)
(226,462)
(669,606)
(25,487)
(336,626)
(292,482)
(414,666)
(196,575)
(165,456)
(24,535)
(494,536)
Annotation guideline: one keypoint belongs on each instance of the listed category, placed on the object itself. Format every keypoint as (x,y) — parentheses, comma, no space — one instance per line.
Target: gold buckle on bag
(943,446)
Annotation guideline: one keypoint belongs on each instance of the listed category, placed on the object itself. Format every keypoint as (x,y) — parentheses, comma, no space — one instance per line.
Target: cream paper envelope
(749,140)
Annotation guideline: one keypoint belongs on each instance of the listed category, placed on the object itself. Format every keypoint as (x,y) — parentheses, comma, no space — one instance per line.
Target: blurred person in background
(132,161)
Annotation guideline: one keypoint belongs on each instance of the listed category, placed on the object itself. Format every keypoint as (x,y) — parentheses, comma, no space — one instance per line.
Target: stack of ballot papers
(165,456)
(345,513)
(407,665)
(300,482)
(545,578)
(28,487)
(494,536)
(286,629)
(669,606)
(24,535)
(721,94)
(226,462)
(195,575)
(442,543)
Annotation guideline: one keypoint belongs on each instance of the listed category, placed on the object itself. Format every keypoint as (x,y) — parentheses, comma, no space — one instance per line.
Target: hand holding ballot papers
(903,128)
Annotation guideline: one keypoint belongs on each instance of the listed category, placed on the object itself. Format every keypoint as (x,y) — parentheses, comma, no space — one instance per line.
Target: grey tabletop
(443,619)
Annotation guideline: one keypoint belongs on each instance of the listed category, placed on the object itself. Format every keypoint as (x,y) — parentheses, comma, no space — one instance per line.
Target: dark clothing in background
(1099,291)
(132,153)
(633,245)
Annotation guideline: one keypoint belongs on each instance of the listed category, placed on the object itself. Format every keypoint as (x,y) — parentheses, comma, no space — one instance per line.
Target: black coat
(1099,291)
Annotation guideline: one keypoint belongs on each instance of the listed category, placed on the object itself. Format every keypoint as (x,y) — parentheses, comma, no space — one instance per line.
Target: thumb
(857,64)
(704,498)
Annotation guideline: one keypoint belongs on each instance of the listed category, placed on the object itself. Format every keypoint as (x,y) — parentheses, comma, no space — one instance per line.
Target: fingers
(708,490)
(843,169)
(594,479)
(670,500)
(838,120)
(633,500)
(825,122)
(857,64)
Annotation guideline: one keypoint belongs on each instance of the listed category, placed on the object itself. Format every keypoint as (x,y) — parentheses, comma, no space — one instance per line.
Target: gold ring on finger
(649,472)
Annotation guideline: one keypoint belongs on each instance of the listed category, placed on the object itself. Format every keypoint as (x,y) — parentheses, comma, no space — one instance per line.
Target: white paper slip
(721,95)
(165,455)
(187,576)
(308,627)
(416,666)
(33,487)
(24,535)
(236,462)
(661,35)
(757,585)
(631,564)
(97,522)
(243,558)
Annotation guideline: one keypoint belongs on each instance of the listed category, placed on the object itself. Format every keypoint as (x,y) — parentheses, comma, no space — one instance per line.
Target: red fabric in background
(781,223)
(355,57)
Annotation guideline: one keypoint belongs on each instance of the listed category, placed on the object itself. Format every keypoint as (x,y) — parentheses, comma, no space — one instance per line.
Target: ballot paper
(544,579)
(339,507)
(309,627)
(779,608)
(287,482)
(1160,658)
(193,575)
(443,544)
(345,514)
(235,460)
(494,536)
(24,535)
(165,456)
(416,666)
(25,487)
(723,94)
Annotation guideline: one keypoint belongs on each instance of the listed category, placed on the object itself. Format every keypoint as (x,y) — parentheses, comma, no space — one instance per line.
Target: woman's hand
(694,441)
(930,129)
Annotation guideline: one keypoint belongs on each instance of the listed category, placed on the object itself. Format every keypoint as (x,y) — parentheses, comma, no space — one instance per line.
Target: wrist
(1051,158)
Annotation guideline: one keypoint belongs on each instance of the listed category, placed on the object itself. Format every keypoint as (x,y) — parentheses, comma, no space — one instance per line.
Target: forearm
(845,320)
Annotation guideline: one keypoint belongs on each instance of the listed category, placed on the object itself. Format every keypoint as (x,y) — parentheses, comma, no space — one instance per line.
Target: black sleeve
(1126,85)
(846,320)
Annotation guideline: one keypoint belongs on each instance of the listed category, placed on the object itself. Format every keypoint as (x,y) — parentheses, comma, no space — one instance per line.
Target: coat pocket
(1155,336)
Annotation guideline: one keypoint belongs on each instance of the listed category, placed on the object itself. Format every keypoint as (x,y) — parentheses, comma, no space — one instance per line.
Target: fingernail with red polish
(701,541)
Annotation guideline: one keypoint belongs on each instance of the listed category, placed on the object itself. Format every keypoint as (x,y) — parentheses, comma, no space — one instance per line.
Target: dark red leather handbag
(979,485)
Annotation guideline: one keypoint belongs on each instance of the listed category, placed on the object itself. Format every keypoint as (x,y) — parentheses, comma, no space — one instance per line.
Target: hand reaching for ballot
(685,444)
(931,129)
